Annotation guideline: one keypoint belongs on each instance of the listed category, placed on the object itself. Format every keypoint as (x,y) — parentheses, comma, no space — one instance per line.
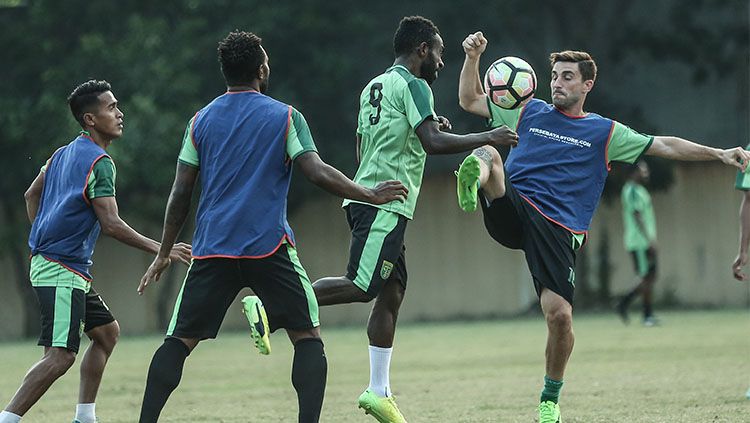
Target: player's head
(420,37)
(243,60)
(95,108)
(573,76)
(639,172)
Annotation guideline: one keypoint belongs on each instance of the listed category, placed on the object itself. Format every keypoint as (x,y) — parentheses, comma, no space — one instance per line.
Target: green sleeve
(418,102)
(742,182)
(627,145)
(500,116)
(102,179)
(188,153)
(45,165)
(299,139)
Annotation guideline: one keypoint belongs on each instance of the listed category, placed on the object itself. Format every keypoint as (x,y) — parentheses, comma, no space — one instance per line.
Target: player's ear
(588,85)
(89,119)
(423,49)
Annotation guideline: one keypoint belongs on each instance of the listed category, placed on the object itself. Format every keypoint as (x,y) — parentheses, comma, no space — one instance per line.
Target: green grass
(696,367)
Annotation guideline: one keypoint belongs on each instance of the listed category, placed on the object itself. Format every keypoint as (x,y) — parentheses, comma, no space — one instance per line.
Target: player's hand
(474,45)
(154,272)
(181,252)
(737,157)
(503,136)
(444,124)
(737,266)
(388,191)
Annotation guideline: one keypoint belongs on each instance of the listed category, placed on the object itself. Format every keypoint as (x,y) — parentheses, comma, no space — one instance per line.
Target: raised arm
(332,180)
(676,148)
(741,259)
(435,141)
(33,195)
(471,96)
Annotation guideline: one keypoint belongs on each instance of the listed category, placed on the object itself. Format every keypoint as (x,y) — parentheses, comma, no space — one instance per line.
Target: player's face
(434,60)
(567,85)
(265,73)
(107,119)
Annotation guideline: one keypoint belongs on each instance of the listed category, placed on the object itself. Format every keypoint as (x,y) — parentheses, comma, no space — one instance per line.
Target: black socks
(164,375)
(309,370)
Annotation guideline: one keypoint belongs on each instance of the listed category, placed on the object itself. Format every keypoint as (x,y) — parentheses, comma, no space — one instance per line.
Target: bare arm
(741,259)
(33,195)
(359,143)
(332,180)
(178,207)
(471,96)
(435,141)
(112,225)
(676,148)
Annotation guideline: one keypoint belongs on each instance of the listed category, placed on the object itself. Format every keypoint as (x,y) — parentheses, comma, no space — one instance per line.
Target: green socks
(551,390)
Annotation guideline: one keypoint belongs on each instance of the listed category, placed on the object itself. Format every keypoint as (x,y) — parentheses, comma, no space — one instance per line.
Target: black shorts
(644,262)
(515,223)
(68,312)
(377,253)
(211,285)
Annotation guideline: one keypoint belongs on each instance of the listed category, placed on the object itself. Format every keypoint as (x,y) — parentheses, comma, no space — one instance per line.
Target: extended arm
(676,148)
(741,259)
(471,96)
(112,225)
(435,141)
(332,180)
(33,195)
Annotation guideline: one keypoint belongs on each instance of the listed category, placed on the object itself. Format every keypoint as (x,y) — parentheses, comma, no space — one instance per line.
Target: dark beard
(428,71)
(263,85)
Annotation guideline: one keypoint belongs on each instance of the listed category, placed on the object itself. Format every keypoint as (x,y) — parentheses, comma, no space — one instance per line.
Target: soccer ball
(510,82)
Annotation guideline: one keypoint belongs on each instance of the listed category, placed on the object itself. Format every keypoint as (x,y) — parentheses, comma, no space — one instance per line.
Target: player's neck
(576,110)
(99,139)
(409,63)
(253,86)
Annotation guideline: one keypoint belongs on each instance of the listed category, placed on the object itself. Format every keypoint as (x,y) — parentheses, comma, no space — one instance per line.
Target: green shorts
(377,253)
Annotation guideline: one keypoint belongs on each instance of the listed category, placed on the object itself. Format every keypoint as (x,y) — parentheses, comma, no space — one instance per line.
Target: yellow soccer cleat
(384,409)
(256,317)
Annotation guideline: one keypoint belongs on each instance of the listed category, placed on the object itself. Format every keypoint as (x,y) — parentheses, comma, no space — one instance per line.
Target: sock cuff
(177,341)
(549,380)
(380,349)
(308,340)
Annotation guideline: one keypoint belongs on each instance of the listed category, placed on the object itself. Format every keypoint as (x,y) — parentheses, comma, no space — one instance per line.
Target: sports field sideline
(695,367)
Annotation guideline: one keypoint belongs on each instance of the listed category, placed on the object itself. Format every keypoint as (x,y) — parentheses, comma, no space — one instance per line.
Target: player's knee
(59,361)
(560,319)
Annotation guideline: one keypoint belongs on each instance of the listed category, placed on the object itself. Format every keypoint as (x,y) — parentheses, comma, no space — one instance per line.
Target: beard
(564,102)
(428,71)
(263,85)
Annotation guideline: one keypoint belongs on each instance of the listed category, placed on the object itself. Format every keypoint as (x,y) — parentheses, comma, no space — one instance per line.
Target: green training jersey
(635,198)
(742,182)
(391,107)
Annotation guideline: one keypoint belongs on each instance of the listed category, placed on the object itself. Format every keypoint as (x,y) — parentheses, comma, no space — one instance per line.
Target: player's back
(392,105)
(241,143)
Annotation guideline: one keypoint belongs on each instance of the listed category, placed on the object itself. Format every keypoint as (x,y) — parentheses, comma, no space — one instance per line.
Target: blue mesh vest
(245,174)
(66,228)
(560,163)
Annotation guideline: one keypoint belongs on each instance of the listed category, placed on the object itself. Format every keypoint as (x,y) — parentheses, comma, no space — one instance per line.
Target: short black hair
(413,31)
(240,55)
(85,98)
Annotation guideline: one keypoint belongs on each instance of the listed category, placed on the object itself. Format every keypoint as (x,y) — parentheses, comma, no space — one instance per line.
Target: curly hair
(413,31)
(240,55)
(85,98)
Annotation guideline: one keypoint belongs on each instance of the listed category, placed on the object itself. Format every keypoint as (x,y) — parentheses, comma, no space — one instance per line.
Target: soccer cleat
(256,316)
(384,409)
(468,183)
(747,394)
(650,321)
(549,412)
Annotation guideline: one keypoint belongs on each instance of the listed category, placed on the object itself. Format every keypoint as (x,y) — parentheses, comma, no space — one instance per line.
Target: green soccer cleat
(383,409)
(468,183)
(549,412)
(256,316)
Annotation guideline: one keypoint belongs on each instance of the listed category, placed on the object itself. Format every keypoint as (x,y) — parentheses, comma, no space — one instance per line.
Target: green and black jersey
(391,107)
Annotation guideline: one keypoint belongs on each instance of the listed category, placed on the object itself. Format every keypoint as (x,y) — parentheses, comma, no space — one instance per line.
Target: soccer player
(742,183)
(69,203)
(542,199)
(397,128)
(243,145)
(639,223)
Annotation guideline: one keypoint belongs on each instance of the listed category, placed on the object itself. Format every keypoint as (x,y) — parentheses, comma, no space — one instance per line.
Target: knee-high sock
(309,372)
(164,375)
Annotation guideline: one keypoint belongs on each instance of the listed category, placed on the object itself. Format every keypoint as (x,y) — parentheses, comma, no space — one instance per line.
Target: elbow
(464,102)
(30,194)
(430,148)
(109,228)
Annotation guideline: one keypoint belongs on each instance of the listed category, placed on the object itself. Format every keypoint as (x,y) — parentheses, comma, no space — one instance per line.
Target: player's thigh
(97,311)
(209,288)
(283,286)
(63,310)
(376,246)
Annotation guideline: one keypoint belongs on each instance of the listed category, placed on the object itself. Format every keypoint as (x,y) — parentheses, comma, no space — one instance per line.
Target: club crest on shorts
(386,269)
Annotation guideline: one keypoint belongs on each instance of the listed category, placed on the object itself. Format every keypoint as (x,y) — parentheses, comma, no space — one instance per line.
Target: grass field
(695,367)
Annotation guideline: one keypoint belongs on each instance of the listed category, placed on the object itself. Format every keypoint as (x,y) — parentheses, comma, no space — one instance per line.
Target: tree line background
(160,58)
